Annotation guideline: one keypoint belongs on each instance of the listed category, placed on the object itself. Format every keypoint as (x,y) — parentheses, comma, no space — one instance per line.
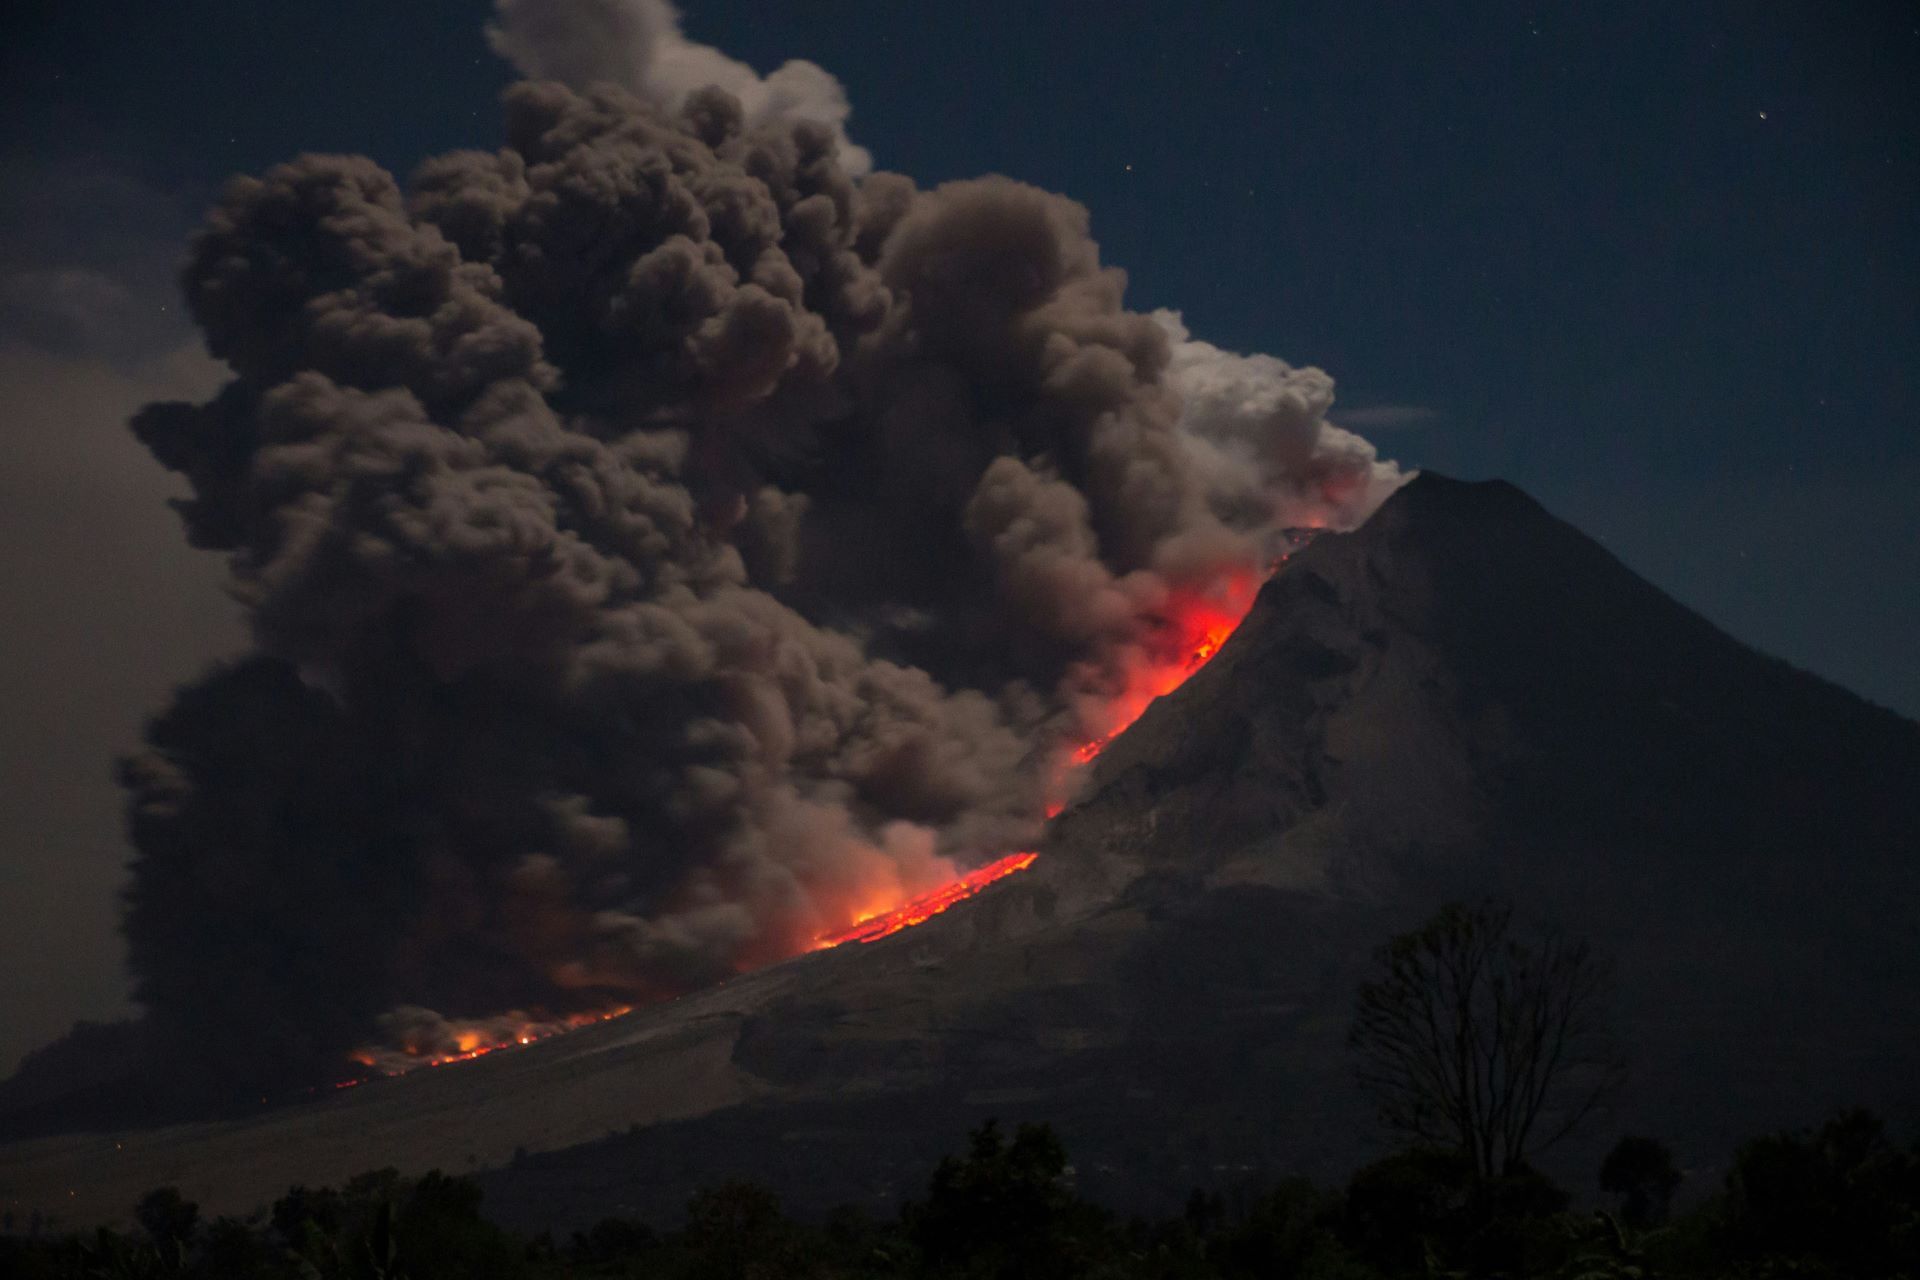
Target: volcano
(1464,697)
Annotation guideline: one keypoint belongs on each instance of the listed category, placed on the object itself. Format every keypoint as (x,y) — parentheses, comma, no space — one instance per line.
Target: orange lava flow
(871,928)
(476,1042)
(1195,626)
(1192,628)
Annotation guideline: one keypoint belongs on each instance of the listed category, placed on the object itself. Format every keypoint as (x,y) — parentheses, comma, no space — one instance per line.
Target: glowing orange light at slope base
(476,1042)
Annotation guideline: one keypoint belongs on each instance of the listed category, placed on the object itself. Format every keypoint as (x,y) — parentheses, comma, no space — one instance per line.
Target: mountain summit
(1467,684)
(1464,697)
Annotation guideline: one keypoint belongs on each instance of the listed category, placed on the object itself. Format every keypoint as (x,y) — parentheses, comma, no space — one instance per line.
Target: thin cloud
(1388,417)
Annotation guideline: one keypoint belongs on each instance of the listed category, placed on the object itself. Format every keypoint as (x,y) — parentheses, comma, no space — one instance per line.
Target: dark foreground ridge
(1842,1200)
(1464,697)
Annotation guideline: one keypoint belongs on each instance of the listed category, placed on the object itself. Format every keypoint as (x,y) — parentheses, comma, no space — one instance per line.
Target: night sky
(1655,263)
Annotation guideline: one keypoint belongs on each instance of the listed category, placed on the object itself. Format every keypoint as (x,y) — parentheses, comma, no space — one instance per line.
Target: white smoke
(1258,432)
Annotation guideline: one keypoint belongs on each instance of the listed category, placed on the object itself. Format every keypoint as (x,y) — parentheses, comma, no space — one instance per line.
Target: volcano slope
(1464,697)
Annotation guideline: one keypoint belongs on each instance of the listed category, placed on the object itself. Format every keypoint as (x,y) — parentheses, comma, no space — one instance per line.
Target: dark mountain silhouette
(1465,697)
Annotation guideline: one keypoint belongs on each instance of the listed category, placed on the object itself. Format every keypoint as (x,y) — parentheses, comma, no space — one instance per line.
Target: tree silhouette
(169,1219)
(1473,1041)
(1842,1197)
(1641,1172)
(1005,1209)
(738,1229)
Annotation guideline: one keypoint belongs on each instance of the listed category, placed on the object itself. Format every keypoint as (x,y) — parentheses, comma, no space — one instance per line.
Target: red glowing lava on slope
(464,1042)
(878,924)
(1194,625)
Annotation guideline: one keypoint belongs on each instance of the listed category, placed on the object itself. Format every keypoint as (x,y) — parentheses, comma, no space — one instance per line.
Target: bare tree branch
(1474,1040)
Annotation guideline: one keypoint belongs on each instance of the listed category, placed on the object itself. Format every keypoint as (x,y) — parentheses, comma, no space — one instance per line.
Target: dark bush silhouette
(1005,1210)
(737,1230)
(303,1210)
(1842,1196)
(1426,1207)
(1839,1201)
(1640,1173)
(233,1247)
(439,1232)
(169,1220)
(1290,1231)
(612,1239)
(1397,1208)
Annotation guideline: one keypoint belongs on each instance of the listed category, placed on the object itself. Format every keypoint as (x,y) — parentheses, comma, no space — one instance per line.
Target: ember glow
(880,922)
(463,1042)
(1196,625)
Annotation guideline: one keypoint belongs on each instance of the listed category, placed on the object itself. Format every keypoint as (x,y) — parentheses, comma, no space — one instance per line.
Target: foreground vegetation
(1841,1201)
(1481,1044)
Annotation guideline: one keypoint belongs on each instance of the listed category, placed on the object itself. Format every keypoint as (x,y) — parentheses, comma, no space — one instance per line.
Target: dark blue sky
(1655,262)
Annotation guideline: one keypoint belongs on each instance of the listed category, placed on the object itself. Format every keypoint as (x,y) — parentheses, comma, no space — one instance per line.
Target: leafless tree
(1475,1041)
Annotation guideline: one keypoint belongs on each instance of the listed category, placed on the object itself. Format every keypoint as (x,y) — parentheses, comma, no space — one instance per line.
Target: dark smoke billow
(657,540)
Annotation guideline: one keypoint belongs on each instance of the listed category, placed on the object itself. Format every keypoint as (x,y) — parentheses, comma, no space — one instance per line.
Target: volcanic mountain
(1465,697)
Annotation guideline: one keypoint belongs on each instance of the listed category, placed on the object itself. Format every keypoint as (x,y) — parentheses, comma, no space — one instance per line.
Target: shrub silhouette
(1838,1201)
(1290,1231)
(737,1230)
(169,1219)
(1004,1210)
(1842,1196)
(1641,1174)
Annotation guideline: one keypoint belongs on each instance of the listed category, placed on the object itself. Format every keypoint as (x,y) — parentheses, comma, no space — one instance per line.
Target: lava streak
(463,1042)
(878,924)
(1193,627)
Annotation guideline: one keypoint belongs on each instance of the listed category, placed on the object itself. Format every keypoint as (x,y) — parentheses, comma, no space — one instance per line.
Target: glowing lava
(878,924)
(1196,624)
(1193,627)
(476,1040)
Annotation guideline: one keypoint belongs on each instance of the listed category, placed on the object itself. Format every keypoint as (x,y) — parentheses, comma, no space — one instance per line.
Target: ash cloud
(661,538)
(638,45)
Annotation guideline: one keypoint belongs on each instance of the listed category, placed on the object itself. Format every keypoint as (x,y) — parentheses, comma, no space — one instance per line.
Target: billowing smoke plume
(659,543)
(637,45)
